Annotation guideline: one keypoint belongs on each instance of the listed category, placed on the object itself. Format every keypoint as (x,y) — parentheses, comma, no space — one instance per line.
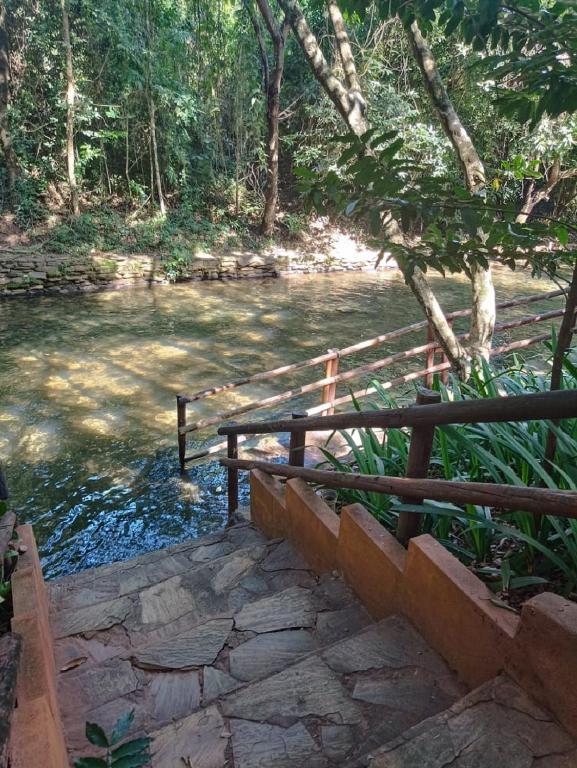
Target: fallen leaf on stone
(74,663)
(501,604)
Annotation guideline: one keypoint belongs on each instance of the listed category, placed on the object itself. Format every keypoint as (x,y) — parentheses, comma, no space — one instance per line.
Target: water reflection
(87,389)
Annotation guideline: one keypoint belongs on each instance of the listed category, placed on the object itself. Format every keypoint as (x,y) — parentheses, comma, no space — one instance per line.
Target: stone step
(325,710)
(168,647)
(497,724)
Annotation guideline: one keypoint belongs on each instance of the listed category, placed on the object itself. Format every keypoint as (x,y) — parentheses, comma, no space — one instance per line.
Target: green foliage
(531,43)
(373,177)
(27,202)
(510,72)
(131,754)
(510,453)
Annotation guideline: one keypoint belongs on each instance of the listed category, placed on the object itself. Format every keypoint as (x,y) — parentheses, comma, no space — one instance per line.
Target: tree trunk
(70,103)
(10,650)
(154,163)
(154,149)
(349,103)
(456,353)
(483,292)
(261,45)
(469,159)
(10,159)
(352,82)
(483,312)
(563,344)
(272,90)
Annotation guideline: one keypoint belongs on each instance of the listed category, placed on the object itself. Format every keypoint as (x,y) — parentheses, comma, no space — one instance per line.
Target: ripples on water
(87,385)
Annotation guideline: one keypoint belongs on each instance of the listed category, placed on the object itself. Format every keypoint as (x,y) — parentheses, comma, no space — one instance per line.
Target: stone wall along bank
(25,273)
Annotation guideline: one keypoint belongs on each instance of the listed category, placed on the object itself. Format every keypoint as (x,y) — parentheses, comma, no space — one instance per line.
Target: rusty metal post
(409,523)
(232,473)
(330,390)
(181,422)
(297,445)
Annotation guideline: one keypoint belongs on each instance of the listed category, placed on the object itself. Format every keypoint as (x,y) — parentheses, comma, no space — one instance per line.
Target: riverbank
(27,270)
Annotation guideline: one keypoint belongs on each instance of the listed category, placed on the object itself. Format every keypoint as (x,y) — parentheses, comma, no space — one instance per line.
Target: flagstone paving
(232,653)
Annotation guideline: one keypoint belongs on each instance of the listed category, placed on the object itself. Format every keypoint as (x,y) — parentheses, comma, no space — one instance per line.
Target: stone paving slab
(173,635)
(495,725)
(268,653)
(350,697)
(233,654)
(198,647)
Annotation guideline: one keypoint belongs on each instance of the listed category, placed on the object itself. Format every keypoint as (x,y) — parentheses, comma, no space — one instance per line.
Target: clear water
(87,385)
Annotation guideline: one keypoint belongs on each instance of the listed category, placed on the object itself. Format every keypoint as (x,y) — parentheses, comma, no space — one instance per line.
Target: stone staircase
(232,652)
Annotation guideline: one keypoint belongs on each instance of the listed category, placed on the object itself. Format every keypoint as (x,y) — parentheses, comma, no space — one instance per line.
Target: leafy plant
(535,549)
(131,754)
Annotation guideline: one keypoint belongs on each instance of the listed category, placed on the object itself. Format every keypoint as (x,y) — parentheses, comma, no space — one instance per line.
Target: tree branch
(465,149)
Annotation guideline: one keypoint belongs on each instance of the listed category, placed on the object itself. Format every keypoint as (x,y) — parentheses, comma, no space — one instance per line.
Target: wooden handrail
(333,377)
(534,407)
(355,373)
(360,346)
(538,501)
(397,382)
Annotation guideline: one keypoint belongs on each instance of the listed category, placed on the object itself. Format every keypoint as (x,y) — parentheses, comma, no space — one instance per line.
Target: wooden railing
(423,418)
(332,378)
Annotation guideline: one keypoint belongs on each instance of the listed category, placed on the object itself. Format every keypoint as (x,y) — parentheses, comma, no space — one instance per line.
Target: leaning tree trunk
(456,353)
(10,159)
(563,344)
(348,101)
(483,292)
(70,104)
(358,106)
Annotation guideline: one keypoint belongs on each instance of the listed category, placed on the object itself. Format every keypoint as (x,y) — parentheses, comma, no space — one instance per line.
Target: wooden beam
(409,523)
(297,444)
(535,500)
(361,345)
(232,477)
(534,407)
(362,370)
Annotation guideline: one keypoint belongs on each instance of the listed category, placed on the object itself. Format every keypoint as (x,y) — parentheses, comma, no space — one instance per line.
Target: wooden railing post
(409,523)
(330,390)
(232,472)
(430,360)
(297,445)
(181,422)
(445,374)
(3,486)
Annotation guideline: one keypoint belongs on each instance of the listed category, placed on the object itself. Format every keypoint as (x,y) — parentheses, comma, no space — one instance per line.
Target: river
(87,385)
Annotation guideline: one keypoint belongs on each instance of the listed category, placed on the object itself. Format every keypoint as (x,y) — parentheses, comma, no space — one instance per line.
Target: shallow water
(87,385)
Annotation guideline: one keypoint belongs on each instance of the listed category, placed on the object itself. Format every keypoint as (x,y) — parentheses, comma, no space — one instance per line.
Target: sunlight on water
(87,385)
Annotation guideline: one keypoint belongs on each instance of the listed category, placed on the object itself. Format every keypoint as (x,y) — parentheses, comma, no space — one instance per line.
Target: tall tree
(350,103)
(149,93)
(346,96)
(70,108)
(10,158)
(272,81)
(483,291)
